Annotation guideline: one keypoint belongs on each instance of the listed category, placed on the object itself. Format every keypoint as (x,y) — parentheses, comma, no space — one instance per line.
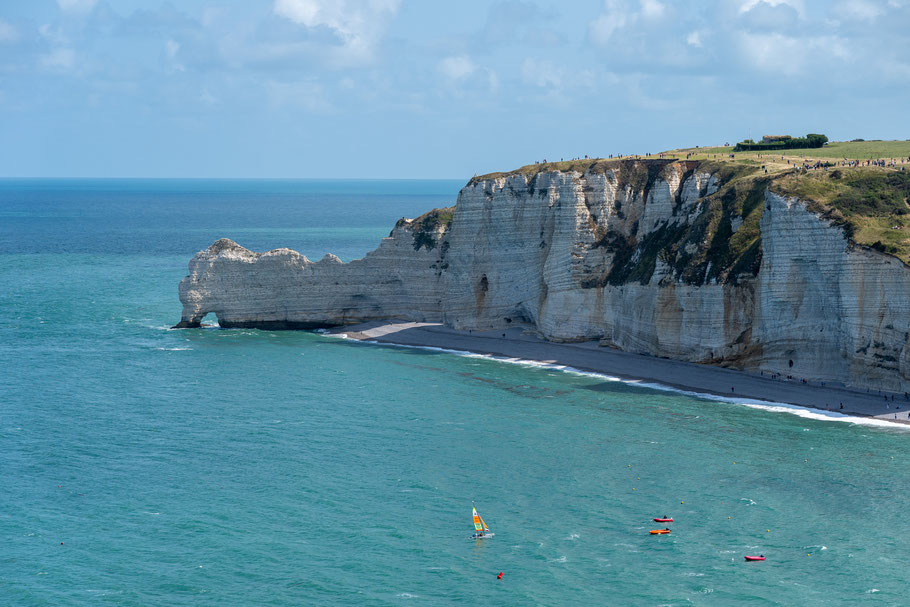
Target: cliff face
(688,261)
(282,289)
(838,311)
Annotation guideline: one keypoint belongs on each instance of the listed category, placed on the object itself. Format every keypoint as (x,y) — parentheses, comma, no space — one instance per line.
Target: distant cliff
(712,262)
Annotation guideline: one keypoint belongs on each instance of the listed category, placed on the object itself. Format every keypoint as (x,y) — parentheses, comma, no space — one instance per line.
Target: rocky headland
(732,264)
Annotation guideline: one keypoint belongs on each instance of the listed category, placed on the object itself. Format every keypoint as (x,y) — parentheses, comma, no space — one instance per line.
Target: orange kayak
(659,531)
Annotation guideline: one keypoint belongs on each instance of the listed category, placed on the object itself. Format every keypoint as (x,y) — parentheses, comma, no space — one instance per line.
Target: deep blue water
(145,466)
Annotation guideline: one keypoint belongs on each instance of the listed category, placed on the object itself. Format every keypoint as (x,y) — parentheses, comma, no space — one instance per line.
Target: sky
(430,89)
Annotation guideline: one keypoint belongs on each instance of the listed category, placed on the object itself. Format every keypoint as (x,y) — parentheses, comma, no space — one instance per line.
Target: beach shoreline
(520,343)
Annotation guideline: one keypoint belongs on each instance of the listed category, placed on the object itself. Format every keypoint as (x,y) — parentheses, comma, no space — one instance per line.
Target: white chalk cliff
(652,257)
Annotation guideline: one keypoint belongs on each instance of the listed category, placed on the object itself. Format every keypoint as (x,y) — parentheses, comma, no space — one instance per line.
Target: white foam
(774,407)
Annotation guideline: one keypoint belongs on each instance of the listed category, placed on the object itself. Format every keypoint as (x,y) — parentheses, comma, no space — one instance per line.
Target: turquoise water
(234,467)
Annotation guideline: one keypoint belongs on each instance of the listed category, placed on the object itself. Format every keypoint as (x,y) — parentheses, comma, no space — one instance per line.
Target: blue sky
(426,89)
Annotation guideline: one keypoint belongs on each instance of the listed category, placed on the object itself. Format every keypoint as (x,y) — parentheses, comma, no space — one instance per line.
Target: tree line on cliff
(812,140)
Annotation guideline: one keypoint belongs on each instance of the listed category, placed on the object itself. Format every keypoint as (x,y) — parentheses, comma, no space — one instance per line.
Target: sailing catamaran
(480,528)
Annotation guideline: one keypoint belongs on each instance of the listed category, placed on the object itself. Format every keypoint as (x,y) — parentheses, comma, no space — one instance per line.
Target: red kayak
(755,558)
(663,520)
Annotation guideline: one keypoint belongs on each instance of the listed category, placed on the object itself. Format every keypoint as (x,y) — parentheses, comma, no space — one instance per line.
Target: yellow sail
(478,522)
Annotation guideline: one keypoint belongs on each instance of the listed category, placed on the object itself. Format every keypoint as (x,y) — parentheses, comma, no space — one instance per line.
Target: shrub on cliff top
(427,225)
(812,140)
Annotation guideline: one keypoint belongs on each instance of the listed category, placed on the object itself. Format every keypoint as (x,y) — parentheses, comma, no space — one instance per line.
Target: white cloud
(652,9)
(76,6)
(7,32)
(798,5)
(861,10)
(454,69)
(781,54)
(614,17)
(617,14)
(54,35)
(358,24)
(461,74)
(61,58)
(492,81)
(543,73)
(171,48)
(694,39)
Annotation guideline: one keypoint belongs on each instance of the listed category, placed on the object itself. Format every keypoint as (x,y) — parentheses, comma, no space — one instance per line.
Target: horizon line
(61,178)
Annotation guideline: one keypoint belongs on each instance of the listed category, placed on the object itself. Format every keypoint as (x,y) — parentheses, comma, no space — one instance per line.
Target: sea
(145,466)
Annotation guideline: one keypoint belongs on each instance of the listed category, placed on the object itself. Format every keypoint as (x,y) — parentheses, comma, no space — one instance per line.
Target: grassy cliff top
(427,227)
(871,203)
(851,150)
(836,150)
(587,165)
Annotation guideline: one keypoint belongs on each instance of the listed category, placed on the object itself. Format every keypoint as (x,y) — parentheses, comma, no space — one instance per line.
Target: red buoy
(499,577)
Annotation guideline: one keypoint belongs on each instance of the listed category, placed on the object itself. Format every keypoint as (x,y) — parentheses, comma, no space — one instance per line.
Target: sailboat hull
(482,537)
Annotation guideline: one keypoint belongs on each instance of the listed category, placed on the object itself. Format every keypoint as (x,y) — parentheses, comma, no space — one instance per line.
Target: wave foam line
(772,406)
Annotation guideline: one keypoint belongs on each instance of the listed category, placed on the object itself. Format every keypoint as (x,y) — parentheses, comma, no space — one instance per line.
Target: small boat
(481,531)
(663,520)
(755,558)
(659,531)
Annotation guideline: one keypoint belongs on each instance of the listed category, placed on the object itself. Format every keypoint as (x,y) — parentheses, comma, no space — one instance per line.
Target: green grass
(836,150)
(858,150)
(425,226)
(867,202)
